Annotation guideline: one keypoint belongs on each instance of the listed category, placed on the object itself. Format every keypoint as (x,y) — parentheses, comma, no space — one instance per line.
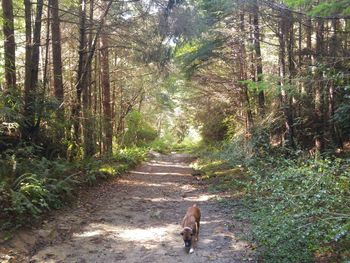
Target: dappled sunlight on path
(138,220)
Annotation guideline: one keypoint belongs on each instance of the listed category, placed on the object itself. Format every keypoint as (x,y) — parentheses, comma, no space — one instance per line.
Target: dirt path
(137,219)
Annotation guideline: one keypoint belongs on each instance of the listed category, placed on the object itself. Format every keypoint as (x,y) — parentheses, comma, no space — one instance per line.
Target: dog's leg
(193,244)
(197,232)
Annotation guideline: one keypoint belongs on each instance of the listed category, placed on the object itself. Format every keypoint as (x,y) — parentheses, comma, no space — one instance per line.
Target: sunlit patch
(157,234)
(168,165)
(89,233)
(138,234)
(108,169)
(215,222)
(153,173)
(206,241)
(187,187)
(201,198)
(143,183)
(163,199)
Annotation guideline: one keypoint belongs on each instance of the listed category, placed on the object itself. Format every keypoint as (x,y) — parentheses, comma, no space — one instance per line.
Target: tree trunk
(45,62)
(106,97)
(80,74)
(243,77)
(334,54)
(319,91)
(285,25)
(57,65)
(29,114)
(28,49)
(88,121)
(84,63)
(9,45)
(258,58)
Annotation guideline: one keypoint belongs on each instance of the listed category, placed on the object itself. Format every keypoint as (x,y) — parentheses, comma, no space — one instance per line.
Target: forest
(257,90)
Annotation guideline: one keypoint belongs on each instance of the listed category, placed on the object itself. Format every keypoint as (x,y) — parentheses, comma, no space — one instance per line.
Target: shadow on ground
(137,219)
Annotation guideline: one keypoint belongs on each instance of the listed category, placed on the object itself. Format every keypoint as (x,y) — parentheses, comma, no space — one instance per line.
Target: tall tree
(106,91)
(9,44)
(81,80)
(28,48)
(30,127)
(84,62)
(243,75)
(258,58)
(57,64)
(285,26)
(319,88)
(88,121)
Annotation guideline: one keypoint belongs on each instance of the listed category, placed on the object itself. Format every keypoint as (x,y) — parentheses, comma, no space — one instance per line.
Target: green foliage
(194,56)
(168,143)
(342,113)
(214,128)
(31,184)
(131,156)
(322,8)
(299,207)
(138,131)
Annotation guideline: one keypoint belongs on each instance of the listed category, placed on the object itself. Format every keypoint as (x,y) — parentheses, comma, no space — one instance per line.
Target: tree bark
(258,58)
(57,65)
(106,97)
(285,27)
(81,80)
(243,77)
(30,128)
(85,62)
(319,91)
(28,48)
(334,55)
(88,121)
(9,45)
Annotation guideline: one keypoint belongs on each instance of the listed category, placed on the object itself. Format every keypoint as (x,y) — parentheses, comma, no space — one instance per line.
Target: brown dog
(190,225)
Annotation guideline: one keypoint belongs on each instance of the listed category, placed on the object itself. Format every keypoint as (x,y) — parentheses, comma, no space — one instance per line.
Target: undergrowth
(299,207)
(30,184)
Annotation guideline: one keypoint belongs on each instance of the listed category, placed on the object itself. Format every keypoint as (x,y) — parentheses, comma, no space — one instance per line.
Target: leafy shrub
(214,127)
(31,185)
(138,131)
(299,207)
(131,156)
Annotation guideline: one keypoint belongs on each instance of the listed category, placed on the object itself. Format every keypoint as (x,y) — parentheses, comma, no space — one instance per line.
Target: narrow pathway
(137,219)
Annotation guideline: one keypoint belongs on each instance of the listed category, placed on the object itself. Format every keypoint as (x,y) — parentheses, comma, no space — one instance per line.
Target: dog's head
(187,234)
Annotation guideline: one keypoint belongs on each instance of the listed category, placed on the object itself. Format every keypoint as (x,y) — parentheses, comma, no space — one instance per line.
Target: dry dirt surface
(136,218)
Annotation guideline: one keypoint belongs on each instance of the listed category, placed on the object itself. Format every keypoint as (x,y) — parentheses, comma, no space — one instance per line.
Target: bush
(31,185)
(138,131)
(299,207)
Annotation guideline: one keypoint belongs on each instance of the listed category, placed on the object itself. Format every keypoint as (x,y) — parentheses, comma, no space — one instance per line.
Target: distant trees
(289,66)
(85,67)
(276,67)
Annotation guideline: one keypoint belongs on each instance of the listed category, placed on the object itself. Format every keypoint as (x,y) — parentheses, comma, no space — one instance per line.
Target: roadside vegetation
(31,184)
(89,87)
(298,205)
